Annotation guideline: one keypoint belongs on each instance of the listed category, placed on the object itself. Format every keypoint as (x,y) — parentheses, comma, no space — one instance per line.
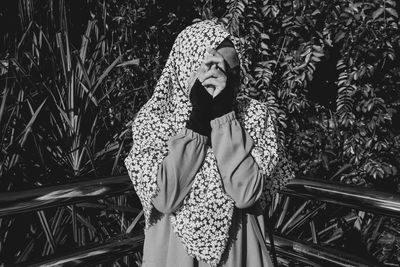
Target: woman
(205,158)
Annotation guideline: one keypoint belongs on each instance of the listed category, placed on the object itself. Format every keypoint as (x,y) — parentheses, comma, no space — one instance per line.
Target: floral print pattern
(203,221)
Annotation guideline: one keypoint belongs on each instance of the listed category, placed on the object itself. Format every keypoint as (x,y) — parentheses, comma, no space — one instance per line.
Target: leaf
(134,222)
(264,36)
(377,13)
(339,36)
(28,127)
(315,59)
(3,103)
(106,72)
(308,57)
(83,71)
(316,11)
(25,35)
(135,62)
(264,46)
(392,12)
(317,54)
(90,95)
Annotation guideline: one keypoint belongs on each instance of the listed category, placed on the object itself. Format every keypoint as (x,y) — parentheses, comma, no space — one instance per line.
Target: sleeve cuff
(194,135)
(226,118)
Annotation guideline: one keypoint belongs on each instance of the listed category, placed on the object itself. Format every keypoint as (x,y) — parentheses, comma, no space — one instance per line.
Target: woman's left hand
(215,74)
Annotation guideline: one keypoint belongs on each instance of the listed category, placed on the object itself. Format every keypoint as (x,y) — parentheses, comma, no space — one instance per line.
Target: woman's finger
(203,68)
(215,83)
(217,91)
(212,73)
(210,89)
(215,60)
(221,70)
(210,50)
(211,82)
(197,75)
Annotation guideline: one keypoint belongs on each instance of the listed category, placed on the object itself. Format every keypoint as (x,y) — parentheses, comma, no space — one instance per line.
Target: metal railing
(362,198)
(59,195)
(311,254)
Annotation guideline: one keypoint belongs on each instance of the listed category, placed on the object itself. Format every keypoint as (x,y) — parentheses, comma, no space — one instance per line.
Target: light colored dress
(242,181)
(161,149)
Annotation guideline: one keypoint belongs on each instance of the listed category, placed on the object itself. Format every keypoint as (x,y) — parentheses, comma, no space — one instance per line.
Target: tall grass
(55,127)
(54,98)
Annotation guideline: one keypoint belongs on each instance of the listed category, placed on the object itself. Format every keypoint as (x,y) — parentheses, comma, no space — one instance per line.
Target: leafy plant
(328,71)
(55,127)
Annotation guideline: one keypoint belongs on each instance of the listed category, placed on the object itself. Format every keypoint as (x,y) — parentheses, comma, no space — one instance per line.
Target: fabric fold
(186,153)
(232,146)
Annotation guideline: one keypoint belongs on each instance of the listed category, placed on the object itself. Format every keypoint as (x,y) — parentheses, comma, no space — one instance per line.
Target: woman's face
(230,56)
(232,64)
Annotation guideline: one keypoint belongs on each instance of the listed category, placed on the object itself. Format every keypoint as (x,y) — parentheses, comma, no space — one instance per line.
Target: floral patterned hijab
(202,222)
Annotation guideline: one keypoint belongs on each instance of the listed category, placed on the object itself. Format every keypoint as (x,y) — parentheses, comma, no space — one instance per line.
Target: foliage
(56,127)
(53,100)
(43,233)
(329,71)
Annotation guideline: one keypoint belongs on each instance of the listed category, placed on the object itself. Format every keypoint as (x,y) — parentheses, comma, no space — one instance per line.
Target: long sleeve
(240,173)
(176,174)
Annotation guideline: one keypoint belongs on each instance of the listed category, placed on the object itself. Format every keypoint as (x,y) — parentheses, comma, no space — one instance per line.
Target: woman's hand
(212,73)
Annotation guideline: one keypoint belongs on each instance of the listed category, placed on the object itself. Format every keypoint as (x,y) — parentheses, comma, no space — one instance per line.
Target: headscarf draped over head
(203,220)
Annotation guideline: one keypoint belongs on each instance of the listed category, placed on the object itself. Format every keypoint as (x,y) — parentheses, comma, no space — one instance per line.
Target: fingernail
(210,50)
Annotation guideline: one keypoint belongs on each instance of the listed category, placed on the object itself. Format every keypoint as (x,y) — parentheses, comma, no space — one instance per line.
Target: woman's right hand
(212,73)
(201,114)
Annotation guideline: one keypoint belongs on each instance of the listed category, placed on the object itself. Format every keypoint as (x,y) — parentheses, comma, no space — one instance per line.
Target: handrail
(362,198)
(12,203)
(358,197)
(89,255)
(315,255)
(373,200)
(312,255)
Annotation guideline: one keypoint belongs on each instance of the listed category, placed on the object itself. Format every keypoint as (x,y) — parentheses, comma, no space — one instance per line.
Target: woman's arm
(240,173)
(187,151)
